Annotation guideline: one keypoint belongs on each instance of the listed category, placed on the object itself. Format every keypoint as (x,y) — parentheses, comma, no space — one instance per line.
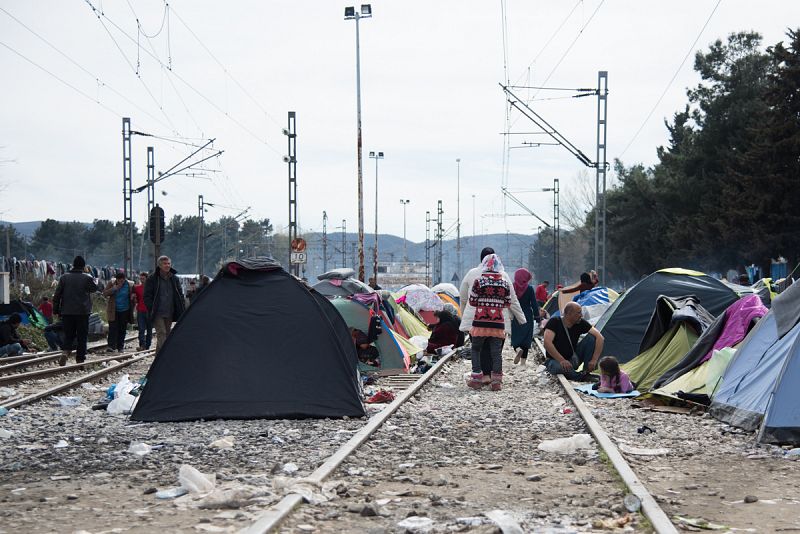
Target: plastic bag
(566,445)
(195,481)
(69,401)
(140,449)
(222,443)
(123,400)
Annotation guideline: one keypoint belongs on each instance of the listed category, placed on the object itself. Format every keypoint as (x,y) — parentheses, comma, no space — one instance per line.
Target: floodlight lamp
(380,154)
(286,159)
(372,154)
(349,12)
(366,10)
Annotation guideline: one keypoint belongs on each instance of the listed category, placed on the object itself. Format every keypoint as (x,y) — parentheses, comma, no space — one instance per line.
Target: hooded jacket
(469,311)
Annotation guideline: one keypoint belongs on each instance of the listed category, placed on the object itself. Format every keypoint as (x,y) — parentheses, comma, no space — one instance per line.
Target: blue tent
(761,386)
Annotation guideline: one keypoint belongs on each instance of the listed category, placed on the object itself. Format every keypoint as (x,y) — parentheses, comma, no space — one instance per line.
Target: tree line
(724,192)
(102,242)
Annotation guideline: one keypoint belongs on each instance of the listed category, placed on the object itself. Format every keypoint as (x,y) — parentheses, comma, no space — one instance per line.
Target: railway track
(279,518)
(11,363)
(33,385)
(438,453)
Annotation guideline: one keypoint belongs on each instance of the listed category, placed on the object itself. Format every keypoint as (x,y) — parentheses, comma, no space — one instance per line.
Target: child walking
(487,322)
(612,378)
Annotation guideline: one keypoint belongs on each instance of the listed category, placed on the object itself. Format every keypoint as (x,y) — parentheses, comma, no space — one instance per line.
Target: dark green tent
(625,323)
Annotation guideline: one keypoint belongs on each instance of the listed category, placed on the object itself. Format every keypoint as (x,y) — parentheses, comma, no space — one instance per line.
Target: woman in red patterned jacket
(486,318)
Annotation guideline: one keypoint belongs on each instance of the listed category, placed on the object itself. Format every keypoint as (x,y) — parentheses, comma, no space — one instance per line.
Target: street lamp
(458,215)
(405,203)
(473,228)
(376,156)
(350,13)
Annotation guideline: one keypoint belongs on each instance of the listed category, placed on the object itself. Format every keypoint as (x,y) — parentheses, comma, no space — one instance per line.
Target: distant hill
(25,229)
(512,248)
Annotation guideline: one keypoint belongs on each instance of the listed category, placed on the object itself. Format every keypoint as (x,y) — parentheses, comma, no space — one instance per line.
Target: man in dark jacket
(163,297)
(10,342)
(73,302)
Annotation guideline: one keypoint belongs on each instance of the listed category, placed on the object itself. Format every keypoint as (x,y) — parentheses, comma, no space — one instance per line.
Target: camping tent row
(760,388)
(749,371)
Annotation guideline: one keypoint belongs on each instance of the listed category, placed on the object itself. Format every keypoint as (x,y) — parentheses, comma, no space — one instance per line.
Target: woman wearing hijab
(487,321)
(522,334)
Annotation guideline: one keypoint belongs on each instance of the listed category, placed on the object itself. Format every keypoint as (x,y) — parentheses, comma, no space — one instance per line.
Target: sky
(430,95)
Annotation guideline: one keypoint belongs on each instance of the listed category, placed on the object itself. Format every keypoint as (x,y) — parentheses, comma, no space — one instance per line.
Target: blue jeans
(13,349)
(53,340)
(495,348)
(145,329)
(554,368)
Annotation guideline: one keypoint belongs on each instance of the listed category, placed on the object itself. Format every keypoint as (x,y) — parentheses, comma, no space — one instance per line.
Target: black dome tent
(255,343)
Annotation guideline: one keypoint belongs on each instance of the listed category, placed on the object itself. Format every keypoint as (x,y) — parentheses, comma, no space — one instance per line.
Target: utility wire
(669,84)
(85,70)
(190,86)
(160,29)
(169,70)
(224,69)
(82,93)
(100,14)
(575,40)
(564,55)
(551,38)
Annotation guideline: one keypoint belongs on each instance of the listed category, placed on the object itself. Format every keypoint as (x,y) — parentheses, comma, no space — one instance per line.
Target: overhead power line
(564,55)
(169,58)
(186,83)
(575,40)
(100,14)
(97,79)
(80,92)
(669,84)
(550,39)
(224,69)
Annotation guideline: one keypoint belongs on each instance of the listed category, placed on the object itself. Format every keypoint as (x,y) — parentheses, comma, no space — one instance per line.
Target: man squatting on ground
(561,338)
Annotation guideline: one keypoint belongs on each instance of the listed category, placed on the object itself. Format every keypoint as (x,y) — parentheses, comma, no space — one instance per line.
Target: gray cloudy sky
(430,94)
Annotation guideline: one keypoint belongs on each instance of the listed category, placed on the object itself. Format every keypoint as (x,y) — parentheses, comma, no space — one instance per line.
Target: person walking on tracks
(487,320)
(73,302)
(522,334)
(142,319)
(120,300)
(163,297)
(561,339)
(466,285)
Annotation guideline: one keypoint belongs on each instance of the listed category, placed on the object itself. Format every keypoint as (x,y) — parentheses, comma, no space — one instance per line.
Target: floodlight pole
(357,15)
(405,203)
(458,216)
(324,241)
(376,156)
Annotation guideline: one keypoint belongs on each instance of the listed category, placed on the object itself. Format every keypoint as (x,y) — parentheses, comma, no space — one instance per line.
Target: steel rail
(271,518)
(658,518)
(73,383)
(36,355)
(43,373)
